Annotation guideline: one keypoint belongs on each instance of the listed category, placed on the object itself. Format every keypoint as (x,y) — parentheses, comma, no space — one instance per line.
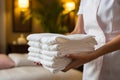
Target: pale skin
(82,58)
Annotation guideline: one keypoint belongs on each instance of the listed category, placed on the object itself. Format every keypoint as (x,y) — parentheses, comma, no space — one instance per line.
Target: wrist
(91,56)
(99,52)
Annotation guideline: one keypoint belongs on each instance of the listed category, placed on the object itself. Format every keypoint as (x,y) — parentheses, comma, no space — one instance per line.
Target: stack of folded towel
(49,48)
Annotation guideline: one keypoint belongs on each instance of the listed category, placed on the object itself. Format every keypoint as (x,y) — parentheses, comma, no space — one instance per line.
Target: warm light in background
(23,7)
(23,3)
(69,6)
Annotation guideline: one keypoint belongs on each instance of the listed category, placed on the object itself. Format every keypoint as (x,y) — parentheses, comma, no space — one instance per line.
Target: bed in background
(17,67)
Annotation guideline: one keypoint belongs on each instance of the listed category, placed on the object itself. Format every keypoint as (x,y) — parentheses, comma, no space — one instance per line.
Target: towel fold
(62,51)
(74,44)
(47,38)
(54,70)
(43,46)
(61,62)
(48,53)
(52,63)
(49,49)
(51,38)
(42,56)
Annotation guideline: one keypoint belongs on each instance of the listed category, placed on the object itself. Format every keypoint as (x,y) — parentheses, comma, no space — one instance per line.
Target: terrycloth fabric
(74,44)
(49,42)
(47,38)
(42,56)
(40,51)
(63,50)
(54,70)
(49,49)
(53,64)
(50,38)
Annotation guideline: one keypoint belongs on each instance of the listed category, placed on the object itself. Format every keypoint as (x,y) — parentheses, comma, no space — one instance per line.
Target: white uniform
(102,19)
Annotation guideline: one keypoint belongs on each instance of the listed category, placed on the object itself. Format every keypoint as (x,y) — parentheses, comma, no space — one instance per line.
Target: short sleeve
(81,10)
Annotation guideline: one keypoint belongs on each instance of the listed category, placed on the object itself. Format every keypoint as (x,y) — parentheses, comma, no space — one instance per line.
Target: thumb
(73,63)
(72,56)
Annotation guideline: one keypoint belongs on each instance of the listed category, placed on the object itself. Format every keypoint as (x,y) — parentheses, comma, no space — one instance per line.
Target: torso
(102,19)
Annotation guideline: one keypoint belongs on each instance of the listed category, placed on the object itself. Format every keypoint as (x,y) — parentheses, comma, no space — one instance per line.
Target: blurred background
(19,18)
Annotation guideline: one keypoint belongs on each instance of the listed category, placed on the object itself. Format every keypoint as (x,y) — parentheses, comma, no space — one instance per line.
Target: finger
(37,63)
(72,56)
(73,64)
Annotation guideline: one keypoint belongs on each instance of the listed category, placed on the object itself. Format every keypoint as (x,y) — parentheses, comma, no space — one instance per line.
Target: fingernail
(37,63)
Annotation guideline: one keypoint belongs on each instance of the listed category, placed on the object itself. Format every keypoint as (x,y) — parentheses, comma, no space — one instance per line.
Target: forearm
(79,28)
(110,46)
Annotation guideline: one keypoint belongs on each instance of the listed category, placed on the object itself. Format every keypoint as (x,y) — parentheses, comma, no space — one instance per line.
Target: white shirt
(102,19)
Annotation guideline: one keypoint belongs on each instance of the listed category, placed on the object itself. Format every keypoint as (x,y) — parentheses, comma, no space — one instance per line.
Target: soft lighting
(69,6)
(23,3)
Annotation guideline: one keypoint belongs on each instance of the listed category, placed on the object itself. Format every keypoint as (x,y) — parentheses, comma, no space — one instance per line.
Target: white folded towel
(51,38)
(48,38)
(42,56)
(45,52)
(56,63)
(63,50)
(74,44)
(52,66)
(54,70)
(49,49)
(34,59)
